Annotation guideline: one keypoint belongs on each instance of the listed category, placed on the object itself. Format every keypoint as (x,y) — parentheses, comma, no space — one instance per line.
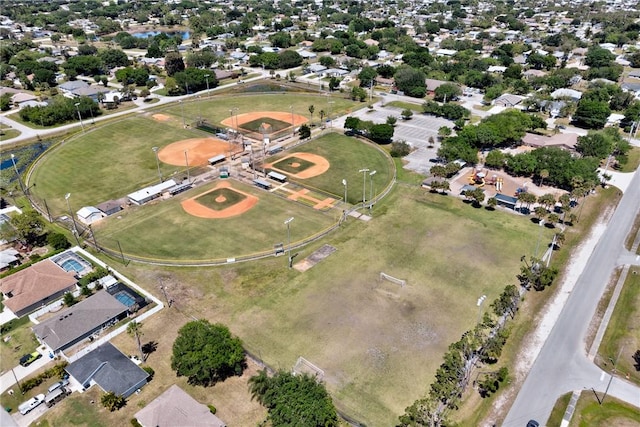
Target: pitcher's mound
(161,117)
(198,151)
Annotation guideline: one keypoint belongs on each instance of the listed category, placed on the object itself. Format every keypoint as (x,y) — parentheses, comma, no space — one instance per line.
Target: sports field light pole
(293,126)
(73,220)
(330,119)
(184,124)
(344,182)
(364,185)
(371,189)
(206,77)
(287,223)
(77,104)
(15,168)
(186,159)
(155,150)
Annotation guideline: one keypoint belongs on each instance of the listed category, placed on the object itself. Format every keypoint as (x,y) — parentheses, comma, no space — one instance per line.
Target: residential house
(574,95)
(29,289)
(111,370)
(80,321)
(9,258)
(71,86)
(175,408)
(508,100)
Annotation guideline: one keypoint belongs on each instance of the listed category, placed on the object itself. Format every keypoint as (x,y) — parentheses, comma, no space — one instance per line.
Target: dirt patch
(161,117)
(192,207)
(240,119)
(321,165)
(198,151)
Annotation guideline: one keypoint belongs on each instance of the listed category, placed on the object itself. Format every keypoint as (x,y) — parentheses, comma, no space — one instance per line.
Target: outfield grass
(285,165)
(347,156)
(589,413)
(185,237)
(109,162)
(622,336)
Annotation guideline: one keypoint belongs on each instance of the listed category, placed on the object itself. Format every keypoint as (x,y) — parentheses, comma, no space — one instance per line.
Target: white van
(31,404)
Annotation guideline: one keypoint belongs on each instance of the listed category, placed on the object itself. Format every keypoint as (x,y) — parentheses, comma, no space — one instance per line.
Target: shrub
(400,149)
(212,409)
(149,370)
(135,423)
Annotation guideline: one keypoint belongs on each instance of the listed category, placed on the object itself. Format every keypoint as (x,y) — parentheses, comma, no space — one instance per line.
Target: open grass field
(347,156)
(186,237)
(589,413)
(378,344)
(19,341)
(623,332)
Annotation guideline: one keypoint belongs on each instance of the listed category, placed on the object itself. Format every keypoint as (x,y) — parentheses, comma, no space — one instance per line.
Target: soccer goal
(384,276)
(303,366)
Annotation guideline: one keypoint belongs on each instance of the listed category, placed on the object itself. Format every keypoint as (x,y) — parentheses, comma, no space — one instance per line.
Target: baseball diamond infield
(240,119)
(320,165)
(199,151)
(195,208)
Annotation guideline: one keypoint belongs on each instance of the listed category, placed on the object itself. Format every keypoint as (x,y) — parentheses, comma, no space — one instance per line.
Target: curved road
(562,365)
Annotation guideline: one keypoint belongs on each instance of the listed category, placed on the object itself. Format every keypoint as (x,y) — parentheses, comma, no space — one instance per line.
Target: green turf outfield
(230,196)
(254,125)
(185,237)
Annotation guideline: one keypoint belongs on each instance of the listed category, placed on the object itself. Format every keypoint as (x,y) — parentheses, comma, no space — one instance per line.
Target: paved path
(562,364)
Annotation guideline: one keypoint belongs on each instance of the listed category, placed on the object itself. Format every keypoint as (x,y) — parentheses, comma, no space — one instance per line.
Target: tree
(399,149)
(447,92)
(311,111)
(391,120)
(352,123)
(112,401)
(406,114)
(543,174)
(592,114)
(173,63)
(492,203)
(57,241)
(381,133)
(444,131)
(207,353)
(29,226)
(145,93)
(113,58)
(367,76)
(334,82)
(358,93)
(294,399)
(289,59)
(304,132)
(411,81)
(134,329)
(69,299)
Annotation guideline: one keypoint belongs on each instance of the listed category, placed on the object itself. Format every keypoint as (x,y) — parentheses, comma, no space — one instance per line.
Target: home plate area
(314,258)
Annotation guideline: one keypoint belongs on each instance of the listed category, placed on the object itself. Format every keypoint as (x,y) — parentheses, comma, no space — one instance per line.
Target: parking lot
(415,131)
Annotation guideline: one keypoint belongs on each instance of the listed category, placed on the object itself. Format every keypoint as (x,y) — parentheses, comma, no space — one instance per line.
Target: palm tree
(259,385)
(543,174)
(322,114)
(135,329)
(311,110)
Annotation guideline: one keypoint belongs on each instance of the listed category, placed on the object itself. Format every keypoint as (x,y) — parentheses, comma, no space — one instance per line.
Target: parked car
(533,423)
(28,359)
(58,385)
(31,404)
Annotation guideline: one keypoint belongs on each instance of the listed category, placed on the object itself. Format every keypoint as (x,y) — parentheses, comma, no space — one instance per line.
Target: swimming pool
(125,298)
(72,265)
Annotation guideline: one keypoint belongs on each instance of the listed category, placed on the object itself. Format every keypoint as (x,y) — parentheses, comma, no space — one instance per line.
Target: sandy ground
(192,207)
(198,151)
(161,117)
(321,165)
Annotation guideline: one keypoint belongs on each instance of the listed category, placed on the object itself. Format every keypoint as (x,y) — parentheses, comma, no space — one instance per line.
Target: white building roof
(87,211)
(151,191)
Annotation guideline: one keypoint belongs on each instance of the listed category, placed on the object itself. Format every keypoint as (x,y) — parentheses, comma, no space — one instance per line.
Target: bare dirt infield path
(241,119)
(199,151)
(321,165)
(192,207)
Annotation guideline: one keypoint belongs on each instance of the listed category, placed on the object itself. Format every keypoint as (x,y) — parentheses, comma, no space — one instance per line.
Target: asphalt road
(562,365)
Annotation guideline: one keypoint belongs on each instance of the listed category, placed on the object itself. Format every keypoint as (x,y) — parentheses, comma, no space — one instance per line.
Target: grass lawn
(19,341)
(8,133)
(347,156)
(622,336)
(555,419)
(633,160)
(13,401)
(589,413)
(186,237)
(378,344)
(405,105)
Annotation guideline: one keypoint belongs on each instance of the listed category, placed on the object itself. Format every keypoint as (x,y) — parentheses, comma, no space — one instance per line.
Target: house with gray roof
(175,408)
(111,370)
(80,321)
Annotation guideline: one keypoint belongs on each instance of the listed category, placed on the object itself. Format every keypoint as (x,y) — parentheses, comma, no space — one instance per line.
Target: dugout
(261,183)
(277,176)
(217,159)
(506,201)
(274,150)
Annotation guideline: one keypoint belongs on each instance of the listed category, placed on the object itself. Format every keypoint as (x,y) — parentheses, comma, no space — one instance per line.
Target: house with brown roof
(567,141)
(29,289)
(175,408)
